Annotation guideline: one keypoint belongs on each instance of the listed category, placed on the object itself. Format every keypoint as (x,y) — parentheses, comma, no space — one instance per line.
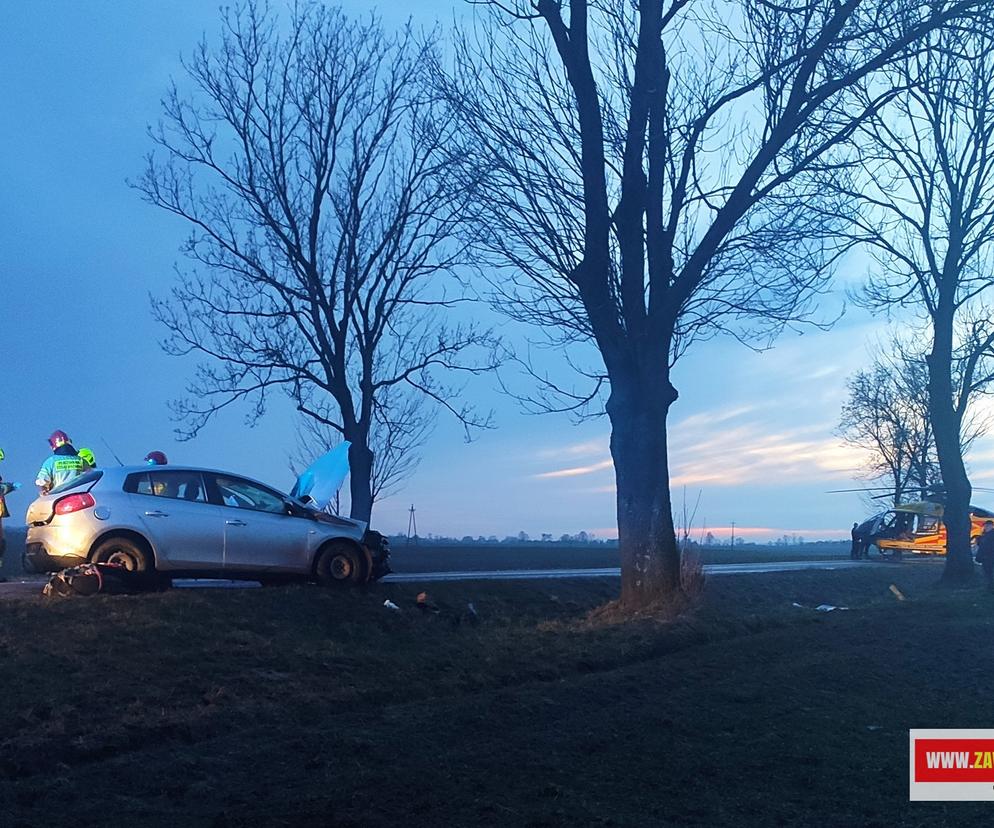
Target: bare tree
(887,415)
(928,186)
(307,159)
(649,175)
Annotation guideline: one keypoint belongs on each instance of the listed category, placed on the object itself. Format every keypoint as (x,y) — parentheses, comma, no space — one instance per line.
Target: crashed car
(193,522)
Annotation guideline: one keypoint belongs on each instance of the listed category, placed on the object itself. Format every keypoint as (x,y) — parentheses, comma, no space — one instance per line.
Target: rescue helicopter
(915,527)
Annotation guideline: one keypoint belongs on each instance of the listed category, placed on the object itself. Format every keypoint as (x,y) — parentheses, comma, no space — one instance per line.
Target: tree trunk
(959,563)
(946,425)
(360,479)
(650,557)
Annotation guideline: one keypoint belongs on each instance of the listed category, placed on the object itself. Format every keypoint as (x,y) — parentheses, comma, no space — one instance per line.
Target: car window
(178,485)
(241,494)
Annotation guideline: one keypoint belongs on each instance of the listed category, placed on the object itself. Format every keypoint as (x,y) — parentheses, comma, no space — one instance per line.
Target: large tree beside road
(306,156)
(654,173)
(927,186)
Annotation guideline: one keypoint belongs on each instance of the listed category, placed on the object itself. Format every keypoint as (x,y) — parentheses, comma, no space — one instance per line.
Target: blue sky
(80,253)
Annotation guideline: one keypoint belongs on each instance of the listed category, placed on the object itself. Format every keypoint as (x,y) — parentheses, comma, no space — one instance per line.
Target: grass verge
(297,705)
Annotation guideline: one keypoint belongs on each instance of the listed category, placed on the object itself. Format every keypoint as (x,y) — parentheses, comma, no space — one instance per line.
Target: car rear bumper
(40,559)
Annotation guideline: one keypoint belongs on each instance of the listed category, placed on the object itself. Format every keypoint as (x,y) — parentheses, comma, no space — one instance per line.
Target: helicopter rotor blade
(869,489)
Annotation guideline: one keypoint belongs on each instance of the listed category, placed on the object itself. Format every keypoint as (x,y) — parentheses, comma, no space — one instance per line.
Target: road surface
(615,572)
(27,586)
(426,564)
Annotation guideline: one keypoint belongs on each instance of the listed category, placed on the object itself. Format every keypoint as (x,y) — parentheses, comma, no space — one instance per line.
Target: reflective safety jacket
(5,489)
(61,467)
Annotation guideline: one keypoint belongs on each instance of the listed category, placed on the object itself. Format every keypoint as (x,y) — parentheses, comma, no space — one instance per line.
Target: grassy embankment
(297,705)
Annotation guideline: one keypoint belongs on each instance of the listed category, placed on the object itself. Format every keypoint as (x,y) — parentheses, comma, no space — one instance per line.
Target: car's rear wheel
(123,552)
(340,563)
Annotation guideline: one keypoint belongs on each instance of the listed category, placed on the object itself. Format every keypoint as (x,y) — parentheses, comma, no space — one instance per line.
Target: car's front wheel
(123,552)
(340,563)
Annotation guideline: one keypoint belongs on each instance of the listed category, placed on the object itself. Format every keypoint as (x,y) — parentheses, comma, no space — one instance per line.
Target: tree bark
(360,479)
(650,557)
(946,426)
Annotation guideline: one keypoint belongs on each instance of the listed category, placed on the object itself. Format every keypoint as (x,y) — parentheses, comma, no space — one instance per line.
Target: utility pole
(412,526)
(733,534)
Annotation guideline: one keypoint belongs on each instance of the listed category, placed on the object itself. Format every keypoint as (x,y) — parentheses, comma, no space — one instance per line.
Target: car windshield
(91,476)
(245,495)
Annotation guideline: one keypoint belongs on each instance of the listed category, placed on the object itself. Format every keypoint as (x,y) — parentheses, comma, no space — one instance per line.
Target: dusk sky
(80,253)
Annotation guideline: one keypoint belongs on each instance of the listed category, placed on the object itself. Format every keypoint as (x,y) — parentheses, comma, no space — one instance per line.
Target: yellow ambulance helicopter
(915,527)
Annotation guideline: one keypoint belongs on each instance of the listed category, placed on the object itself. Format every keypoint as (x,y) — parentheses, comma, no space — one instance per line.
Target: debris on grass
(424,605)
(390,605)
(820,607)
(897,593)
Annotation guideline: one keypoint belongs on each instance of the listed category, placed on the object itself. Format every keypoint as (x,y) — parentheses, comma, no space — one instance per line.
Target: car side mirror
(295,509)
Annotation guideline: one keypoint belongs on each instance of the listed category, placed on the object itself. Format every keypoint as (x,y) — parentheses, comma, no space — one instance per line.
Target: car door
(259,532)
(186,530)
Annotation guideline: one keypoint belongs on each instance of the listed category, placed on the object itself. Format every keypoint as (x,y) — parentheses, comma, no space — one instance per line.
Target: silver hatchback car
(192,522)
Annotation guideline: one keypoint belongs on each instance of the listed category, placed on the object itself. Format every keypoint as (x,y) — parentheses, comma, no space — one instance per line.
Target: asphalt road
(615,572)
(427,564)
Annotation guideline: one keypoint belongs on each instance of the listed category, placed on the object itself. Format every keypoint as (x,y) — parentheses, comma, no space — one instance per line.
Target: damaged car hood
(319,482)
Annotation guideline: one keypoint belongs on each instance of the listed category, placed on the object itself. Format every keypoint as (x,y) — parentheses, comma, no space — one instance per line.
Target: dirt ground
(295,705)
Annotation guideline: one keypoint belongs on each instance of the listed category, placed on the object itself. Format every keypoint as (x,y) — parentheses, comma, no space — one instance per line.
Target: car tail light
(74,503)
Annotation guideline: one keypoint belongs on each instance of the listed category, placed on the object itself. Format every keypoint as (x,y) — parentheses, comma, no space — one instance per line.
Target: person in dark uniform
(857,542)
(985,553)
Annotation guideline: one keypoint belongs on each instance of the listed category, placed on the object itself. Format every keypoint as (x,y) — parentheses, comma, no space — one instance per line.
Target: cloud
(732,448)
(713,418)
(581,449)
(577,471)
(737,445)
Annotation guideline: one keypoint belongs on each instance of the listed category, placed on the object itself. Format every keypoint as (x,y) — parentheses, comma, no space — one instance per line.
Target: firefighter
(64,464)
(89,461)
(156,458)
(5,489)
(985,553)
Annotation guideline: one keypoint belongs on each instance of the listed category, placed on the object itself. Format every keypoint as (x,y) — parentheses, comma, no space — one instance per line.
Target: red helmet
(156,458)
(58,438)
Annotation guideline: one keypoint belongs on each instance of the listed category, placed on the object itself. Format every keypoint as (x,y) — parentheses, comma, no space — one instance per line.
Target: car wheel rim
(120,558)
(341,567)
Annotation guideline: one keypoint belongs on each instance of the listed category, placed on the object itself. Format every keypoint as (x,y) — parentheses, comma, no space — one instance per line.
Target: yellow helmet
(87,457)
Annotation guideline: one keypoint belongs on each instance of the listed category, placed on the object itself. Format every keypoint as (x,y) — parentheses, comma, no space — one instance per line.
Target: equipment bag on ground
(91,578)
